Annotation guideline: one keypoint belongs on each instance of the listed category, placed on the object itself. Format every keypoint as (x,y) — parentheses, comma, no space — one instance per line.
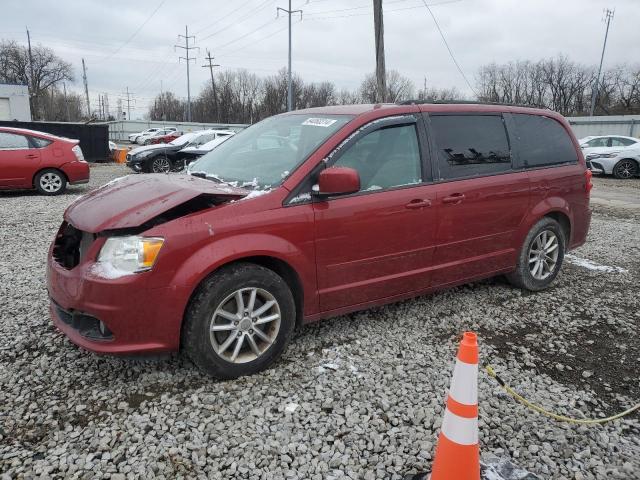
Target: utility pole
(381,74)
(608,16)
(66,103)
(187,48)
(210,66)
(34,94)
(290,81)
(86,88)
(128,94)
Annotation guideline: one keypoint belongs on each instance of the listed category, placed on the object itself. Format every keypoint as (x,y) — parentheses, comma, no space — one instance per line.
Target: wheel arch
(281,267)
(565,222)
(42,169)
(552,207)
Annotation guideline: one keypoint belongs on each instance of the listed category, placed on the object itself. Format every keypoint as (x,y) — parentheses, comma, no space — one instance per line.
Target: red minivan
(313,214)
(48,163)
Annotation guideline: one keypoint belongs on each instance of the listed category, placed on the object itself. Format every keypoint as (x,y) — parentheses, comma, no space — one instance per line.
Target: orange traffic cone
(458,452)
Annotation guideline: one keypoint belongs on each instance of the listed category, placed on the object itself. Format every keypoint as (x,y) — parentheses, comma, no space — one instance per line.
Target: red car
(30,159)
(169,137)
(313,214)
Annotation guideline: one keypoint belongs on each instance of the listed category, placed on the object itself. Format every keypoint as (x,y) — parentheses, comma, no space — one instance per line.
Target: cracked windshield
(263,155)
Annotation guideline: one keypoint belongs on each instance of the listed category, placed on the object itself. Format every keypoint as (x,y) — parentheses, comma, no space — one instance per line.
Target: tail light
(588,183)
(78,153)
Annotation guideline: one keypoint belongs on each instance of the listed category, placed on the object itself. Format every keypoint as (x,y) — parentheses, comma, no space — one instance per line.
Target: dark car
(312,214)
(166,157)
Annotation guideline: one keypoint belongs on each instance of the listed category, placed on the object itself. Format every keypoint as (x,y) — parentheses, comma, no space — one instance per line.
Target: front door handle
(454,198)
(418,203)
(31,155)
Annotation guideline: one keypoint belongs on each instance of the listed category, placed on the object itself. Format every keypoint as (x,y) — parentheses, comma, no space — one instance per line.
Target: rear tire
(540,257)
(625,169)
(228,338)
(50,182)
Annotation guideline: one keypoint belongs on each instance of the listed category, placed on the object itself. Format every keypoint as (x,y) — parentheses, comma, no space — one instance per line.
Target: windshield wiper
(208,176)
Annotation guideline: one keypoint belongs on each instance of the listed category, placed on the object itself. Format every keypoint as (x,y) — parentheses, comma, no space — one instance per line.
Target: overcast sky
(334,41)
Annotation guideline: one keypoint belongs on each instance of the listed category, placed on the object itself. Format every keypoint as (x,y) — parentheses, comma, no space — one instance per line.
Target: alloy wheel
(51,182)
(625,169)
(245,325)
(543,255)
(161,165)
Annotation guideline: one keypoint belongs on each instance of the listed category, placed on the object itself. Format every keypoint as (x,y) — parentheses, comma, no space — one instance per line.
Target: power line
(187,49)
(309,17)
(136,32)
(210,66)
(223,17)
(257,40)
(444,40)
(128,94)
(264,4)
(289,12)
(608,16)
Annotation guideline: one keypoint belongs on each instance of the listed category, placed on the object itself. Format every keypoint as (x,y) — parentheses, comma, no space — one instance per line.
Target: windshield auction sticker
(319,122)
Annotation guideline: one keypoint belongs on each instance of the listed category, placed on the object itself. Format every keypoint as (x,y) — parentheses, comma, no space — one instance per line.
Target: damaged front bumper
(113,315)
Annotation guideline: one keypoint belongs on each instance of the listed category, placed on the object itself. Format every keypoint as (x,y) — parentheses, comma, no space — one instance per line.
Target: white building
(14,103)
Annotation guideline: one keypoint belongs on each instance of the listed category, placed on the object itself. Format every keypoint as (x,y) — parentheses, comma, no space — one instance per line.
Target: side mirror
(337,181)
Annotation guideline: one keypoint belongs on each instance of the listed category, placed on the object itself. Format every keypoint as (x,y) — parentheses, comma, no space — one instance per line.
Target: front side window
(263,155)
(598,142)
(12,141)
(543,141)
(386,158)
(471,145)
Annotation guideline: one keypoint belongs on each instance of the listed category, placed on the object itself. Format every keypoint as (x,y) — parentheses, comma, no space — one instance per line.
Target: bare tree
(398,88)
(49,70)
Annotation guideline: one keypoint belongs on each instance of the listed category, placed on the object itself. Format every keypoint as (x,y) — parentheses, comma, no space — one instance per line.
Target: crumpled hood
(131,201)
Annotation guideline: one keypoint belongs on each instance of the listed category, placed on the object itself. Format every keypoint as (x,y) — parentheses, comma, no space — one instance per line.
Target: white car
(193,152)
(146,138)
(135,136)
(605,145)
(623,164)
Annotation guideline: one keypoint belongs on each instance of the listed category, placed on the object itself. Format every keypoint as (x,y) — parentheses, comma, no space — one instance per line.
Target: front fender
(220,252)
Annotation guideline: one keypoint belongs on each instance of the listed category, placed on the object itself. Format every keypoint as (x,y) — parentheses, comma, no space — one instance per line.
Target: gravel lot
(372,411)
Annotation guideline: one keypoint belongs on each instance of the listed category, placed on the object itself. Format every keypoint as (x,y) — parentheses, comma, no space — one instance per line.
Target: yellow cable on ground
(561,418)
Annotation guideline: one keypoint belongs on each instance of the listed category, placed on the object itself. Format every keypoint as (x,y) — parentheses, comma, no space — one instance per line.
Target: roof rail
(466,102)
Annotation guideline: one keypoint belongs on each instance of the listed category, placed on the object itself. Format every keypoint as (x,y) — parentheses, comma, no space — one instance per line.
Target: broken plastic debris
(502,469)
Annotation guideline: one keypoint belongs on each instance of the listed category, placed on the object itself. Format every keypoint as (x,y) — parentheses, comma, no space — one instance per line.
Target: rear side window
(471,145)
(41,142)
(543,141)
(11,141)
(621,142)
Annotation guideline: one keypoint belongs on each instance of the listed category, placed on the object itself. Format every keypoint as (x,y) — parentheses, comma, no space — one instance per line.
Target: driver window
(386,158)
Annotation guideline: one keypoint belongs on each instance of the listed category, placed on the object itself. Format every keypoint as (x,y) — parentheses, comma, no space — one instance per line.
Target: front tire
(239,322)
(541,256)
(159,164)
(625,169)
(50,182)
